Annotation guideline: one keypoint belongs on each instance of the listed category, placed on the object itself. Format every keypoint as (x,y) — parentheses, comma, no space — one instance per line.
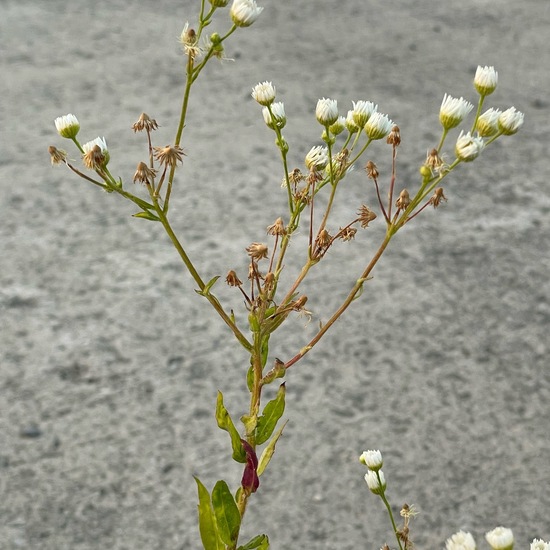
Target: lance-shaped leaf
(250,480)
(267,453)
(208,286)
(261,542)
(271,414)
(225,423)
(207,522)
(146,215)
(228,518)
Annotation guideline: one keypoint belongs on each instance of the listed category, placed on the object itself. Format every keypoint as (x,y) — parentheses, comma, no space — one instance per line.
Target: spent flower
(169,155)
(96,155)
(326,111)
(244,12)
(144,122)
(510,121)
(461,541)
(67,126)
(453,110)
(264,93)
(378,126)
(467,147)
(485,80)
(57,156)
(500,538)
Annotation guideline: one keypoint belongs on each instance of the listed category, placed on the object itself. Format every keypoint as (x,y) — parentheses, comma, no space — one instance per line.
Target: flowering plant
(309,197)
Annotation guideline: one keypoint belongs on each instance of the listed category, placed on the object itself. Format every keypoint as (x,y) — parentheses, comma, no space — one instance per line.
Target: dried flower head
(500,538)
(294,178)
(323,239)
(244,12)
(394,137)
(190,41)
(277,229)
(264,93)
(403,200)
(485,80)
(434,161)
(67,126)
(96,154)
(169,155)
(57,156)
(510,121)
(408,511)
(378,126)
(468,148)
(366,215)
(372,170)
(145,123)
(347,233)
(326,111)
(232,279)
(362,111)
(437,197)
(453,110)
(144,174)
(257,251)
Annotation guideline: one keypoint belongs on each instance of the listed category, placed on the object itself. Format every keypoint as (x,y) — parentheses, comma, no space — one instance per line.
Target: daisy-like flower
(279,117)
(510,121)
(378,126)
(96,155)
(467,148)
(372,460)
(500,538)
(67,126)
(317,158)
(487,123)
(244,12)
(264,93)
(485,80)
(453,110)
(362,111)
(169,155)
(539,544)
(326,111)
(376,481)
(461,541)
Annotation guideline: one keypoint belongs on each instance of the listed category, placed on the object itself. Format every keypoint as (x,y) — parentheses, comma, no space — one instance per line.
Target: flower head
(510,121)
(264,93)
(366,215)
(376,481)
(378,126)
(169,155)
(244,12)
(461,541)
(485,80)
(539,544)
(362,111)
(467,148)
(144,122)
(276,117)
(67,126)
(339,126)
(257,251)
(326,111)
(190,41)
(500,538)
(351,124)
(96,155)
(317,158)
(372,460)
(453,110)
(487,123)
(144,174)
(57,156)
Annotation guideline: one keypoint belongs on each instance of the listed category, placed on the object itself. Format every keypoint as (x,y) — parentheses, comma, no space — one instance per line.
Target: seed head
(394,137)
(145,123)
(57,156)
(257,251)
(372,170)
(232,279)
(437,197)
(403,200)
(366,215)
(169,155)
(347,233)
(277,229)
(144,174)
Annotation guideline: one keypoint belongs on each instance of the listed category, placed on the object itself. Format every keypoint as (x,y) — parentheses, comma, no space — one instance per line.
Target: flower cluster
(374,477)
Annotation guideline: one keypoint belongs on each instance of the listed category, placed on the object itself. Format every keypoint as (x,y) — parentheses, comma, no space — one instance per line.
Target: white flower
(97,141)
(487,123)
(372,459)
(350,123)
(376,481)
(339,126)
(500,538)
(485,80)
(244,12)
(539,544)
(317,158)
(264,93)
(378,126)
(362,111)
(67,126)
(461,541)
(326,111)
(278,110)
(453,111)
(467,148)
(510,121)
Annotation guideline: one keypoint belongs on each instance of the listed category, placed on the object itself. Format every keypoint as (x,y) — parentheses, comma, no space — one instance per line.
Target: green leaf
(270,416)
(146,215)
(250,378)
(267,453)
(208,286)
(207,522)
(261,542)
(225,423)
(228,518)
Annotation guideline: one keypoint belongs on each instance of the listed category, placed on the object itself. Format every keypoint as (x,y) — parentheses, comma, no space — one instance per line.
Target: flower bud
(362,111)
(487,123)
(453,110)
(485,80)
(376,481)
(510,121)
(326,111)
(539,544)
(264,93)
(500,538)
(317,158)
(467,148)
(378,126)
(244,12)
(277,116)
(339,126)
(67,126)
(372,460)
(461,541)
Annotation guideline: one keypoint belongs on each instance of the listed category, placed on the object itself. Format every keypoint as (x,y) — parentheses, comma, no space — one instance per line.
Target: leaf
(146,215)
(228,518)
(208,286)
(207,522)
(270,416)
(261,542)
(267,453)
(225,423)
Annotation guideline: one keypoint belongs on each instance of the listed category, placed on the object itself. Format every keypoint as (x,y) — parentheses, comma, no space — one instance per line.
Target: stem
(388,508)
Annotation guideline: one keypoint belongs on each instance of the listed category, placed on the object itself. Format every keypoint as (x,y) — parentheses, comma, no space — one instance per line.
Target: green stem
(388,508)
